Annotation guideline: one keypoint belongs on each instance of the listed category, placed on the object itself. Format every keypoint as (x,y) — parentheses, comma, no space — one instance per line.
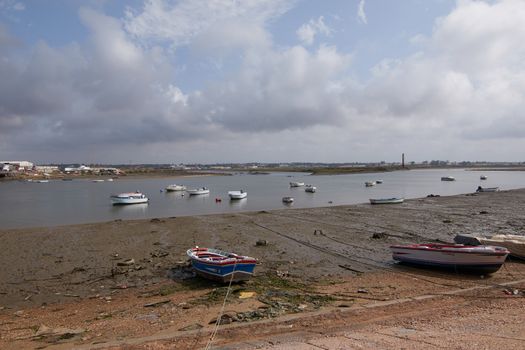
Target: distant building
(47,169)
(20,165)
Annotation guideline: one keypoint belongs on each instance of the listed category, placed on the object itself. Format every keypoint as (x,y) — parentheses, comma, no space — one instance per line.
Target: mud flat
(124,284)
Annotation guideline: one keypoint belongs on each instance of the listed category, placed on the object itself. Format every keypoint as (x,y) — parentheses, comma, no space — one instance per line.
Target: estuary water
(31,204)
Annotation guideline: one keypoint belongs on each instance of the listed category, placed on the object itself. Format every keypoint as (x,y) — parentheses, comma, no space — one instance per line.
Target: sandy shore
(70,286)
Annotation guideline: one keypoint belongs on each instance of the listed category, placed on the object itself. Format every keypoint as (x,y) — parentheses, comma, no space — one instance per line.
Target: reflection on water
(131,209)
(238,203)
(82,201)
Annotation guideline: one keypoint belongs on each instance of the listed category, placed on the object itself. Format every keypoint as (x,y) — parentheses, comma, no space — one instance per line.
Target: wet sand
(316,261)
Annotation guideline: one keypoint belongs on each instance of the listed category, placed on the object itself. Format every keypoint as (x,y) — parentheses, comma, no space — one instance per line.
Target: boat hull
(124,201)
(237,194)
(486,259)
(310,189)
(174,188)
(225,269)
(197,192)
(129,198)
(487,189)
(387,201)
(514,243)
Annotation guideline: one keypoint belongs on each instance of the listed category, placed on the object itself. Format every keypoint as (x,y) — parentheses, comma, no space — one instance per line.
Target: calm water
(29,204)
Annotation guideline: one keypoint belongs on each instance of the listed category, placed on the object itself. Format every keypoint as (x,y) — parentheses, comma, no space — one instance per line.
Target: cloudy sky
(162,81)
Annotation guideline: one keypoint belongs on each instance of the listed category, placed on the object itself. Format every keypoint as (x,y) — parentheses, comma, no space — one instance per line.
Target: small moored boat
(175,187)
(387,200)
(487,189)
(310,189)
(129,198)
(97,180)
(287,199)
(237,194)
(483,177)
(370,183)
(448,178)
(379,181)
(296,184)
(221,266)
(482,258)
(198,191)
(514,243)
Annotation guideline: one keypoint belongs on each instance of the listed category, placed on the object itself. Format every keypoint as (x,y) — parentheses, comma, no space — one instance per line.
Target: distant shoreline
(164,173)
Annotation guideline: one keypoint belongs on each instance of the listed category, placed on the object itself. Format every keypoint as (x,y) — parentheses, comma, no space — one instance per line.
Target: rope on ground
(219,317)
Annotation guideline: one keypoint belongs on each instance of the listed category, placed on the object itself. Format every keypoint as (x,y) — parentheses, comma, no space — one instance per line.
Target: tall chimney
(402,160)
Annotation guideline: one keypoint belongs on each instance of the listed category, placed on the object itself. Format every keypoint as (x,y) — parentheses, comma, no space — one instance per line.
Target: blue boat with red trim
(217,265)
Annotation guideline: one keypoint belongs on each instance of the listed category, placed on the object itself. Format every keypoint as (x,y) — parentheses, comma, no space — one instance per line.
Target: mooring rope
(219,317)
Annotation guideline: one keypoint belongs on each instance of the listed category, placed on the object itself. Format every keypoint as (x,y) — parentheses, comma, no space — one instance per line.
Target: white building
(19,164)
(46,169)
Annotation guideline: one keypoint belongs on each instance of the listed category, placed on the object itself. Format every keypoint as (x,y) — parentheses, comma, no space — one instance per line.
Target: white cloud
(308,31)
(115,96)
(179,21)
(361,12)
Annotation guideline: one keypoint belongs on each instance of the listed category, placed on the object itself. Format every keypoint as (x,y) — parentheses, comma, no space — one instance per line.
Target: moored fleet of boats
(469,252)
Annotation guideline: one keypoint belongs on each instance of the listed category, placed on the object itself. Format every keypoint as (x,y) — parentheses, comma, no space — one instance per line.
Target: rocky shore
(126,284)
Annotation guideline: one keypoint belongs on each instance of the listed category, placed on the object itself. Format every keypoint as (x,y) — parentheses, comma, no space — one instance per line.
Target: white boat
(514,243)
(387,200)
(110,180)
(287,199)
(175,187)
(487,189)
(42,181)
(98,180)
(296,184)
(129,198)
(198,191)
(370,183)
(237,194)
(310,188)
(448,178)
(482,258)
(483,177)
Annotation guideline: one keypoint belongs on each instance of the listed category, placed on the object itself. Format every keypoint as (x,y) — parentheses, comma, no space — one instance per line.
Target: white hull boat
(175,187)
(482,258)
(288,200)
(448,178)
(237,194)
(487,189)
(129,198)
(310,189)
(370,183)
(387,200)
(296,184)
(198,191)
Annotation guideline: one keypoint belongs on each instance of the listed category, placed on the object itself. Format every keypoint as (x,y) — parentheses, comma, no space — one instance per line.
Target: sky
(220,81)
